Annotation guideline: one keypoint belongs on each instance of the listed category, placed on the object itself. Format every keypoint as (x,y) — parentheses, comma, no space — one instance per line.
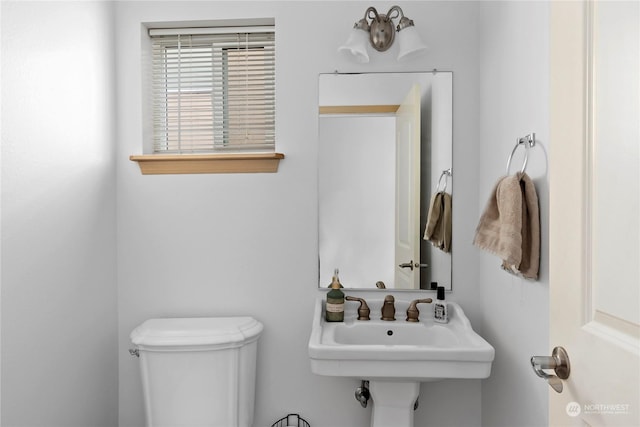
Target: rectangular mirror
(385,142)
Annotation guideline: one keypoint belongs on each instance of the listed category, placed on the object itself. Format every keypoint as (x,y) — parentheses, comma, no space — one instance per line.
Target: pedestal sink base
(393,403)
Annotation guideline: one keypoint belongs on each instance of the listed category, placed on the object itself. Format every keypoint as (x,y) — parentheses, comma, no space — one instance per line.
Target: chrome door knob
(559,362)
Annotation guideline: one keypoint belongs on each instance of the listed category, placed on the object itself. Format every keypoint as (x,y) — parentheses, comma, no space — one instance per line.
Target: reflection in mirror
(384,141)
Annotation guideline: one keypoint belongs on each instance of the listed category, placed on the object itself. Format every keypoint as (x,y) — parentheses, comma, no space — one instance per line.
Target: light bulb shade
(410,43)
(356,45)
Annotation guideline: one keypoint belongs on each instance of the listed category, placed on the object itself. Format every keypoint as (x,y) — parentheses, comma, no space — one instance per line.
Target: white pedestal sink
(396,356)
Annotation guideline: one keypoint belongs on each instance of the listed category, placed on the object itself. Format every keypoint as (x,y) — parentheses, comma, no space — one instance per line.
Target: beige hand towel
(438,229)
(510,225)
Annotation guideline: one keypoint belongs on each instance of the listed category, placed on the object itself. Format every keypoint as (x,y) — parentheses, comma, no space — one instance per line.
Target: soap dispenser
(334,308)
(440,307)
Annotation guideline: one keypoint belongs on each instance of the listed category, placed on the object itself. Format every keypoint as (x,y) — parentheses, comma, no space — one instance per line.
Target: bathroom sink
(380,332)
(396,350)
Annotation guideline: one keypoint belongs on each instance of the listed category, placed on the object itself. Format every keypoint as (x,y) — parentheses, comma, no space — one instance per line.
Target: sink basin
(380,332)
(378,349)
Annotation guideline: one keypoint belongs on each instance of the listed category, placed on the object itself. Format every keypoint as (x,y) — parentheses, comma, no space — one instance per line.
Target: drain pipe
(362,393)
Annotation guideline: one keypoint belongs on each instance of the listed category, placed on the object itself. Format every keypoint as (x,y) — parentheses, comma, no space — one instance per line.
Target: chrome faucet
(388,308)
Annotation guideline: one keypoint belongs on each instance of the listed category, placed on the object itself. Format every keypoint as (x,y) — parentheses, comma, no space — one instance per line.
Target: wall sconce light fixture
(381,33)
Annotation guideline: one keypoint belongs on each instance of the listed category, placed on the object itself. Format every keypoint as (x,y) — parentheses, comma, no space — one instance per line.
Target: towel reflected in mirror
(438,228)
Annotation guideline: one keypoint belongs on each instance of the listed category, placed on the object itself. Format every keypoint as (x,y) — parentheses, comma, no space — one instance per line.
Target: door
(407,247)
(594,211)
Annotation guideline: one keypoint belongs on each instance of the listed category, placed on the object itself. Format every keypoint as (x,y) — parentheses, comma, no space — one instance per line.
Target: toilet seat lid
(197,331)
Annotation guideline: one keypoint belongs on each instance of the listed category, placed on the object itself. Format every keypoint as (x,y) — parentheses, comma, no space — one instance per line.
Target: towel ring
(445,173)
(528,141)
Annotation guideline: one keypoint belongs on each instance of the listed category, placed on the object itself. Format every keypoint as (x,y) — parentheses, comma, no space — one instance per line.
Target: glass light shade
(410,43)
(356,45)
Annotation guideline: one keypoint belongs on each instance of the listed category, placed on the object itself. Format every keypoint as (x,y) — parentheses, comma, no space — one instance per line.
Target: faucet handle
(412,311)
(363,310)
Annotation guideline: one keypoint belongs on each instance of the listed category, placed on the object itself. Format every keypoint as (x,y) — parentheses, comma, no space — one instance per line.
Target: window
(213,89)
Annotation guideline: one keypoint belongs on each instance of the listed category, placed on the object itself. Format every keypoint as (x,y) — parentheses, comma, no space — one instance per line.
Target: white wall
(247,244)
(514,101)
(59,360)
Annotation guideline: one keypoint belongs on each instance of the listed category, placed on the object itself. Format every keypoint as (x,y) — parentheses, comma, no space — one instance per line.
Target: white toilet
(198,371)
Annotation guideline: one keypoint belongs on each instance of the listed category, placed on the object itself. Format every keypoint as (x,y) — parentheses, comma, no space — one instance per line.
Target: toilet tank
(198,371)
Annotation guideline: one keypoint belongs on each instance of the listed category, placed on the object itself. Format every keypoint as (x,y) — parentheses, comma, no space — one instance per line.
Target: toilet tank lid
(218,331)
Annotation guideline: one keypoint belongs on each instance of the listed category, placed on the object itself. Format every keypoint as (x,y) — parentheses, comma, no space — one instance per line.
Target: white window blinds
(213,90)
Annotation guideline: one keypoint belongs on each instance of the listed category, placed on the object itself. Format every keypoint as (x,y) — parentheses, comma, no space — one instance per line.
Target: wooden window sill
(157,164)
